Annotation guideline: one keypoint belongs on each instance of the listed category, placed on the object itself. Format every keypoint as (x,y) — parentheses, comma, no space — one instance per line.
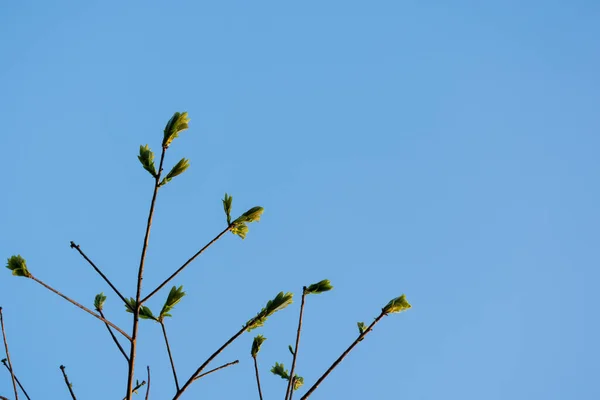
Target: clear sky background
(446,150)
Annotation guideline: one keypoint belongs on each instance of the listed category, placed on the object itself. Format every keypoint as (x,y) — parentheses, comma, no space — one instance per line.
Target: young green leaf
(227,207)
(99,301)
(240,229)
(130,305)
(178,123)
(174,297)
(319,287)
(178,169)
(291,349)
(361,327)
(252,215)
(396,305)
(281,301)
(256,343)
(145,312)
(239,225)
(279,370)
(298,382)
(146,157)
(18,266)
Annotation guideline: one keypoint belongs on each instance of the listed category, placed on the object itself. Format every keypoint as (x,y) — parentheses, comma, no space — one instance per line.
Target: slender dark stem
(290,387)
(81,306)
(186,264)
(12,374)
(257,378)
(229,364)
(114,337)
(138,295)
(201,368)
(76,246)
(148,387)
(17,379)
(139,385)
(162,324)
(62,368)
(344,354)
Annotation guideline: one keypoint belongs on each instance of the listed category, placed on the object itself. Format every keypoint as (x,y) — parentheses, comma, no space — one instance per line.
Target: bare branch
(12,374)
(76,246)
(17,379)
(257,378)
(148,387)
(138,295)
(114,337)
(344,354)
(201,368)
(81,306)
(69,385)
(162,324)
(229,364)
(186,263)
(290,388)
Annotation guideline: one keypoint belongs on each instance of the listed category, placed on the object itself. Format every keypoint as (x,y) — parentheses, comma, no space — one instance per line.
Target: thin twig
(76,246)
(114,337)
(81,306)
(138,295)
(344,354)
(162,324)
(17,379)
(62,368)
(12,374)
(290,387)
(257,378)
(229,364)
(148,387)
(201,368)
(139,385)
(186,264)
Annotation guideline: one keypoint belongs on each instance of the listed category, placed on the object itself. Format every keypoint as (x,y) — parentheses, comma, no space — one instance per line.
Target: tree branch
(76,246)
(17,379)
(62,368)
(139,385)
(290,387)
(229,364)
(12,374)
(81,306)
(257,378)
(344,354)
(148,387)
(162,324)
(114,337)
(186,264)
(201,368)
(136,312)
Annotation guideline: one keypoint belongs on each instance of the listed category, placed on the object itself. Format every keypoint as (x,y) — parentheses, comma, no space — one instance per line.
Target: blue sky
(446,150)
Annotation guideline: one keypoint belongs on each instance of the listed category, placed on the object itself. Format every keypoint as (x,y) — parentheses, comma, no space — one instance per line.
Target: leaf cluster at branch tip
(256,343)
(18,266)
(281,301)
(319,287)
(146,157)
(279,370)
(178,169)
(178,123)
(99,301)
(396,305)
(239,225)
(227,200)
(174,297)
